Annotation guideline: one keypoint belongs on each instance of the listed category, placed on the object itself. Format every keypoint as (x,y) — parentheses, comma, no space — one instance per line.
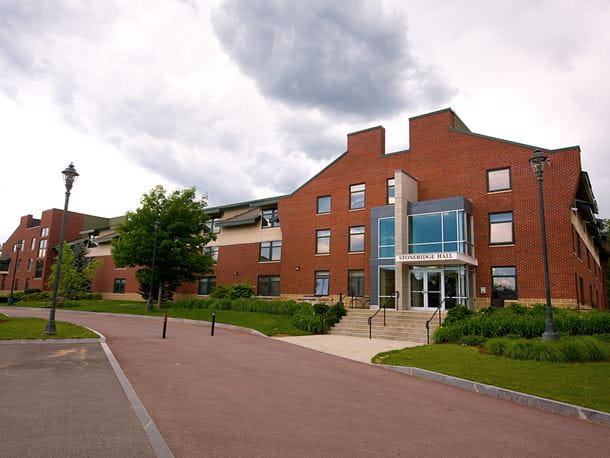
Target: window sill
(321,214)
(355,252)
(500,245)
(322,254)
(270,262)
(357,209)
(500,191)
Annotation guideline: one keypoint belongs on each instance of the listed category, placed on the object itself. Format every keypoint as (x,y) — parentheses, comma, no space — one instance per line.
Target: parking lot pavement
(64,400)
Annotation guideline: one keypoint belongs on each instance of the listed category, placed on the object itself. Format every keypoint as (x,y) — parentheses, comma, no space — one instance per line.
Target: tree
(75,274)
(181,239)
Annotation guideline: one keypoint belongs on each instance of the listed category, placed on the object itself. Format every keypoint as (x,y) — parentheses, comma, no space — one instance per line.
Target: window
(206,285)
(448,231)
(269,285)
(356,196)
(581,291)
(16,284)
(355,283)
(323,205)
(213,225)
(29,264)
(504,285)
(42,248)
(271,218)
(18,264)
(322,283)
(501,228)
(391,191)
(38,269)
(212,251)
(356,238)
(271,251)
(19,245)
(27,285)
(386,238)
(119,286)
(498,180)
(33,244)
(323,241)
(44,232)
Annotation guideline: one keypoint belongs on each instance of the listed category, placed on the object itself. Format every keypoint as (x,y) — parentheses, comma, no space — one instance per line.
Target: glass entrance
(426,288)
(387,288)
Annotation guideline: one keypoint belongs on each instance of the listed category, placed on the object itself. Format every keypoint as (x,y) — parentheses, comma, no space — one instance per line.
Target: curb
(155,438)
(148,317)
(51,341)
(529,400)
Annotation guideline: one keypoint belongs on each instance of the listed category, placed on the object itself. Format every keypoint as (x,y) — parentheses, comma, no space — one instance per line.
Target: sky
(247,99)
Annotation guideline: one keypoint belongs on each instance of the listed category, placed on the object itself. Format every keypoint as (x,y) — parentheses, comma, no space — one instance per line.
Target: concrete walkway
(238,394)
(354,348)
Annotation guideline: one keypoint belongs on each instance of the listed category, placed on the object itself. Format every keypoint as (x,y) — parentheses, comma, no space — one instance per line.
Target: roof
(248,217)
(247,203)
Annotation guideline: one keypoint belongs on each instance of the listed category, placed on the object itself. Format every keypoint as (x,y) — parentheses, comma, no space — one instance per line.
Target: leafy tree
(181,239)
(76,272)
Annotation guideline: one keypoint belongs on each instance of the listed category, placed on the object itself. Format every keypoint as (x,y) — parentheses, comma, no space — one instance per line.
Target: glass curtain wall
(441,232)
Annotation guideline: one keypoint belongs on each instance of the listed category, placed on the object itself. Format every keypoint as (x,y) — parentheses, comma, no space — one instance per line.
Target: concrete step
(416,339)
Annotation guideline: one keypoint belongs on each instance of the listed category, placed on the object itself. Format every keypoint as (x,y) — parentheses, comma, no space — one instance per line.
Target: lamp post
(70,175)
(538,161)
(149,304)
(10,297)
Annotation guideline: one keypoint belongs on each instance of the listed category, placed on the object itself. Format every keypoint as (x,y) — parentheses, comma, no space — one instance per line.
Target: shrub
(40,296)
(307,320)
(472,341)
(567,349)
(29,291)
(320,309)
(448,334)
(457,313)
(233,291)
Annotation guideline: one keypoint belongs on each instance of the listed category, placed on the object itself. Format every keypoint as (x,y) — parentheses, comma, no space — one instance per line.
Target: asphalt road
(64,400)
(238,394)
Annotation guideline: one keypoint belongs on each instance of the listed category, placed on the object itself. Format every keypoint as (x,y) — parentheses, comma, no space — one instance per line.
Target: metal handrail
(438,310)
(370,320)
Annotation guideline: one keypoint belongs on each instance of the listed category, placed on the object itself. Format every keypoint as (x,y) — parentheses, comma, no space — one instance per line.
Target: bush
(567,349)
(519,321)
(472,341)
(40,296)
(233,291)
(307,320)
(457,313)
(29,291)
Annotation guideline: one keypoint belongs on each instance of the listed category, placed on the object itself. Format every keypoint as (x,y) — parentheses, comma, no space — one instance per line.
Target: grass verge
(266,323)
(12,328)
(584,384)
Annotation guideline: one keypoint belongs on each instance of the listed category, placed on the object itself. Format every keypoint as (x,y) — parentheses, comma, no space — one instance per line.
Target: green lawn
(266,323)
(33,328)
(584,384)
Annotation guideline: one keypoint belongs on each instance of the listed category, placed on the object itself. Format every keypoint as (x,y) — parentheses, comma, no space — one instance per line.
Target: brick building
(453,219)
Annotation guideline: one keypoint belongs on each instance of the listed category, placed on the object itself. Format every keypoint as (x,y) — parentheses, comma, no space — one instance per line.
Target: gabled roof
(243,219)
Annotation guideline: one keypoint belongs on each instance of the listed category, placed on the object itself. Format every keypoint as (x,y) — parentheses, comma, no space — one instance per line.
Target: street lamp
(149,305)
(10,297)
(70,175)
(538,161)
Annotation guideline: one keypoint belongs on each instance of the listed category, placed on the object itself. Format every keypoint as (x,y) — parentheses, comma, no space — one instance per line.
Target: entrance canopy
(450,258)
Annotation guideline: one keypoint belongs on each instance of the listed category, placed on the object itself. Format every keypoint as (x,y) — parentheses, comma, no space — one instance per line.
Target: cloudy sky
(249,98)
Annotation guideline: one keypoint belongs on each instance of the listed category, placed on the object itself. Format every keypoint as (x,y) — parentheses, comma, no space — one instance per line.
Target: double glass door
(427,289)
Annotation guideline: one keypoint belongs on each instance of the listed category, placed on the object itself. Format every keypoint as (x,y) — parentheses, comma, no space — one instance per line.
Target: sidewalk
(354,348)
(63,400)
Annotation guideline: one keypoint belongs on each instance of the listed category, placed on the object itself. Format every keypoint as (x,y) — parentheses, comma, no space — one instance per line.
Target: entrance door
(426,289)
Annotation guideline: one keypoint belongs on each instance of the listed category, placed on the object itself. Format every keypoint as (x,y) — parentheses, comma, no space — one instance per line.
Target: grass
(584,384)
(266,323)
(33,328)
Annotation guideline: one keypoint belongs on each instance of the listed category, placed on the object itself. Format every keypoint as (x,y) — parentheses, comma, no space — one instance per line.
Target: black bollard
(165,325)
(213,321)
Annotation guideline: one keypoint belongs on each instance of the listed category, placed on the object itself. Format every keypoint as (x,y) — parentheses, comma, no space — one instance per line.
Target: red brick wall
(52,220)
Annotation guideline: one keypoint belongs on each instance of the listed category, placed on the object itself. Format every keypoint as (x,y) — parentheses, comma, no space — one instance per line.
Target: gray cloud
(345,57)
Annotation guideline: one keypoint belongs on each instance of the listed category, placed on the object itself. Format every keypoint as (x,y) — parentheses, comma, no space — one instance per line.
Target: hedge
(303,315)
(521,322)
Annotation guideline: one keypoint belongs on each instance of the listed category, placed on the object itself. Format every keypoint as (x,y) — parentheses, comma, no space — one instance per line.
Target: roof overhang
(446,258)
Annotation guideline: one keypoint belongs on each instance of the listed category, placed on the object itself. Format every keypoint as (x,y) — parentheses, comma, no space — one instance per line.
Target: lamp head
(70,175)
(538,161)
